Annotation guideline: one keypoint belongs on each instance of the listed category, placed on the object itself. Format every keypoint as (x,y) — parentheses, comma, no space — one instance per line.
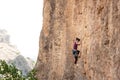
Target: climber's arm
(78,43)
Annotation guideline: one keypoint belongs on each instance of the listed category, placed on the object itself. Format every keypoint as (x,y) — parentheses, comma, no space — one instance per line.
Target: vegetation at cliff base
(10,72)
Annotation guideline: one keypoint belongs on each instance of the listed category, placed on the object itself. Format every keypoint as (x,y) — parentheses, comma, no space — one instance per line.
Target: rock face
(97,23)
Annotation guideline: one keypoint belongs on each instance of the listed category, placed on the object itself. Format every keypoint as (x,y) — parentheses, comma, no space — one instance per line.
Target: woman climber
(75,51)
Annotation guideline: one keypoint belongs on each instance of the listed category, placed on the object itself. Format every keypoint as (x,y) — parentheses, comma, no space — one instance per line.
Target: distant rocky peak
(4,36)
(11,54)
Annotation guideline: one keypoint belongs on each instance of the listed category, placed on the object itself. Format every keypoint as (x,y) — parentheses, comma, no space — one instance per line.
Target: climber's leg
(76,59)
(78,52)
(75,53)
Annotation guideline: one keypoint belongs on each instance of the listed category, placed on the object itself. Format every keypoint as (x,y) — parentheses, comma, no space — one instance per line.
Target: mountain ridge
(12,55)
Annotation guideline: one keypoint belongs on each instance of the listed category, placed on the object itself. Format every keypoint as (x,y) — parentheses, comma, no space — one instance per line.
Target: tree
(10,72)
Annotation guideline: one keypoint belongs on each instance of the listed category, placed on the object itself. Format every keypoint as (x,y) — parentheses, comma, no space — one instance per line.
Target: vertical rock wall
(97,23)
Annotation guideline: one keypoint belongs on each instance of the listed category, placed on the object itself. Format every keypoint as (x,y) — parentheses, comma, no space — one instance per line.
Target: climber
(75,51)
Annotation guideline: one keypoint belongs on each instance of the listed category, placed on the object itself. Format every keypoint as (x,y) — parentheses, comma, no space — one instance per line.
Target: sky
(23,21)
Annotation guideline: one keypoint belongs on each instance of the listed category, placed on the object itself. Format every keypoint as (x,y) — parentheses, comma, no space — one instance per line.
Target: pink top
(75,46)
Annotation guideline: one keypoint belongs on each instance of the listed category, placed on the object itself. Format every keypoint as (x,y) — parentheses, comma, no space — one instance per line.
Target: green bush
(10,72)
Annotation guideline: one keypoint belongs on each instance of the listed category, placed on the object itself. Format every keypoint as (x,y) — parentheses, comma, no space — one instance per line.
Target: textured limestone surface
(97,23)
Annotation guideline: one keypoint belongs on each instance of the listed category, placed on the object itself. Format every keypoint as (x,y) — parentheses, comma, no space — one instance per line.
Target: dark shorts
(75,52)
